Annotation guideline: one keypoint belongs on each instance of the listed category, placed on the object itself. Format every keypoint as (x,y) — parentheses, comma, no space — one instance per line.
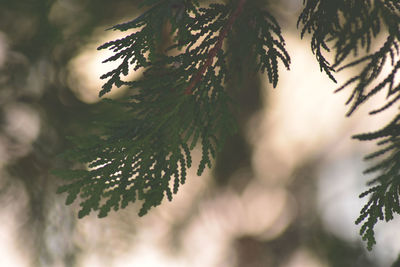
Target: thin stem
(213,52)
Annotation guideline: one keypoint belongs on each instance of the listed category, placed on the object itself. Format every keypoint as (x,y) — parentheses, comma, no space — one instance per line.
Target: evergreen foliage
(346,27)
(181,100)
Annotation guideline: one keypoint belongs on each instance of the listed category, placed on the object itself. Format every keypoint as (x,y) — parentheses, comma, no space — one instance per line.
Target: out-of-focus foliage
(37,111)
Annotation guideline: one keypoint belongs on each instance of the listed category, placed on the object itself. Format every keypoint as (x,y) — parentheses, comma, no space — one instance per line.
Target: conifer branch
(346,29)
(143,155)
(180,101)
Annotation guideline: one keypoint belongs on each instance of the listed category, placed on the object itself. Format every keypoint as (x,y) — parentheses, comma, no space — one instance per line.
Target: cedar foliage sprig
(385,187)
(346,27)
(179,102)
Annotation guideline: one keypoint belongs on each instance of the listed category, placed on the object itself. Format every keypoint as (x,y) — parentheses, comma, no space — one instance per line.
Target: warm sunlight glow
(86,68)
(21,128)
(10,253)
(304,258)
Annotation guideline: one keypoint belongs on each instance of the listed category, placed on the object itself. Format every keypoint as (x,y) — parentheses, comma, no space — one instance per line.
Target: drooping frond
(262,35)
(178,103)
(348,28)
(382,17)
(384,193)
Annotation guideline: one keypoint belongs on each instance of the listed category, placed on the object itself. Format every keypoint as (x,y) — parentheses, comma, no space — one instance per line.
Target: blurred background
(284,191)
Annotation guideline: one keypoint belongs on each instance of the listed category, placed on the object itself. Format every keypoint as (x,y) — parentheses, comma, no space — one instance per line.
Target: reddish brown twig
(213,52)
